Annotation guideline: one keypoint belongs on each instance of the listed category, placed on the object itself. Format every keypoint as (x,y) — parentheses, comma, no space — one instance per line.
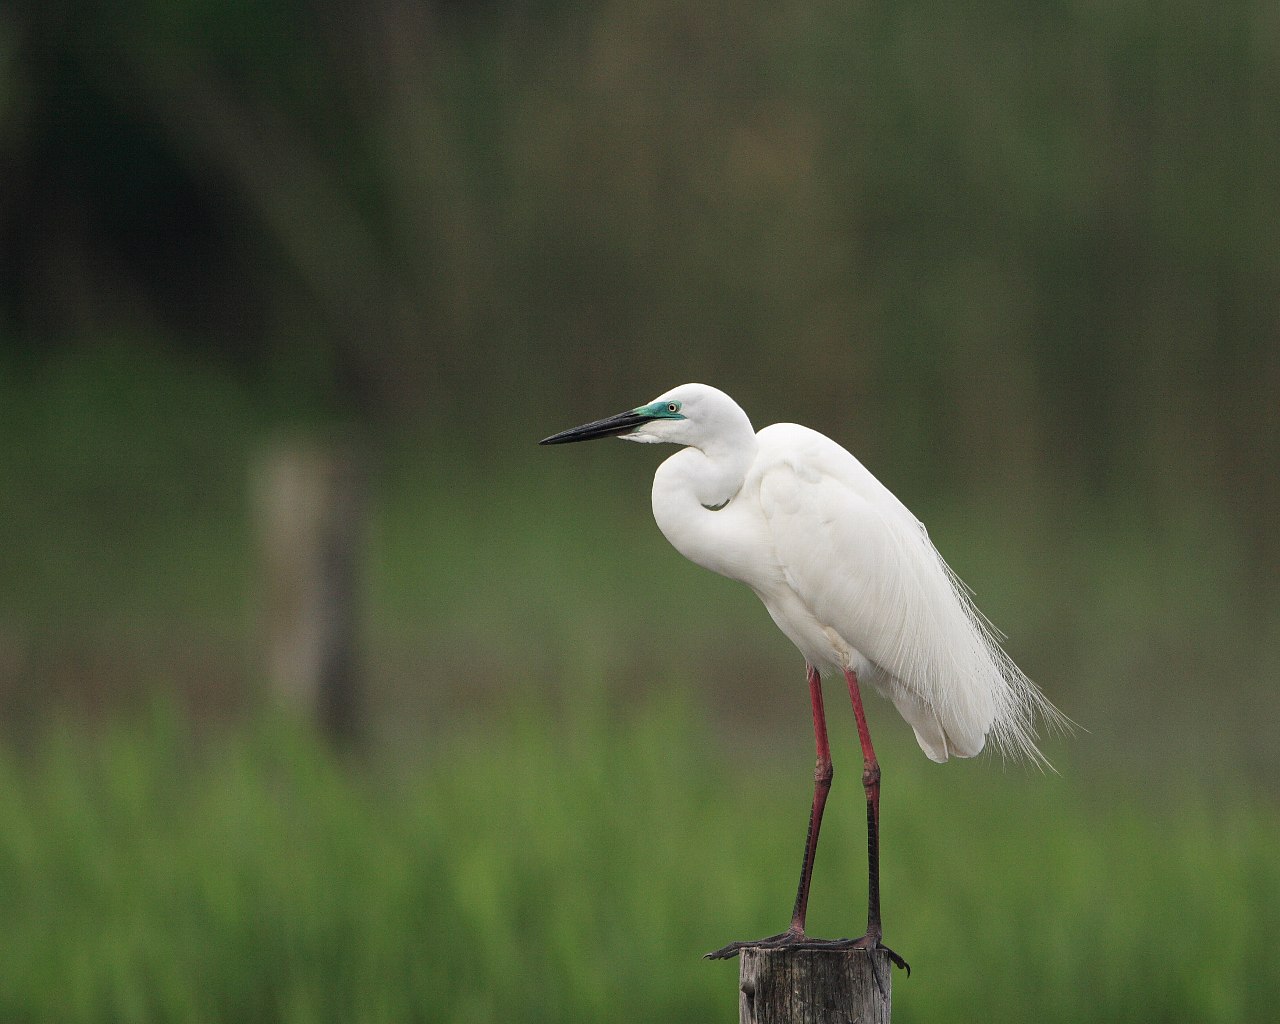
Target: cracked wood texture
(814,986)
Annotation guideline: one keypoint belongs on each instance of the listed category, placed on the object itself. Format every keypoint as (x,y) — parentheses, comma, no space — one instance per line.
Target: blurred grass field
(579,784)
(129,566)
(551,867)
(1020,259)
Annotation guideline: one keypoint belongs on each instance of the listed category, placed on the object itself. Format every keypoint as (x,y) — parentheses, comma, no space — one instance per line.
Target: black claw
(724,953)
(727,953)
(734,948)
(897,960)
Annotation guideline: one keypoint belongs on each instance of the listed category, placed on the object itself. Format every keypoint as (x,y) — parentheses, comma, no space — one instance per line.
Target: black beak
(610,426)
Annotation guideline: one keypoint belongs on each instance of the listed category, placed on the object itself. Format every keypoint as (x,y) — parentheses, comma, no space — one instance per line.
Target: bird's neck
(695,494)
(711,475)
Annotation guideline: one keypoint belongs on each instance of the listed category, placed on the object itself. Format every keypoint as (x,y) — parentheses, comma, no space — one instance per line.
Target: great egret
(851,577)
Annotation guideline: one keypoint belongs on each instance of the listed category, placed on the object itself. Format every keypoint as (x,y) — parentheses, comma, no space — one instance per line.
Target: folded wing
(865,568)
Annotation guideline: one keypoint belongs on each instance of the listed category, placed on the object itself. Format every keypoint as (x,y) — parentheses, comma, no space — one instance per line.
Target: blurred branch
(311,202)
(994,240)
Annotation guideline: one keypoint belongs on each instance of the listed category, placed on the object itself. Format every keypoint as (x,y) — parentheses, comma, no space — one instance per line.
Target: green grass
(128,561)
(571,859)
(531,868)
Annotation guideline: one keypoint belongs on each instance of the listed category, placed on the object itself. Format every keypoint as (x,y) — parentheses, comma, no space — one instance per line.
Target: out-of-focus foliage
(1020,259)
(528,872)
(1031,244)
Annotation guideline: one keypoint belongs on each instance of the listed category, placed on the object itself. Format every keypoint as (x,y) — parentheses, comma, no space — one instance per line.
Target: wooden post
(312,507)
(814,986)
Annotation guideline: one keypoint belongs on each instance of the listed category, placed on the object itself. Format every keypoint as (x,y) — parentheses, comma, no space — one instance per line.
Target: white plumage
(850,576)
(844,568)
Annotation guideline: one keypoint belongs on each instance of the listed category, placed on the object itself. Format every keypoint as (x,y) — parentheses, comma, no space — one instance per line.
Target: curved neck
(695,504)
(713,474)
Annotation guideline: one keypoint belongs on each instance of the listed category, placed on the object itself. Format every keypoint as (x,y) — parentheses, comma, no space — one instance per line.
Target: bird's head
(691,414)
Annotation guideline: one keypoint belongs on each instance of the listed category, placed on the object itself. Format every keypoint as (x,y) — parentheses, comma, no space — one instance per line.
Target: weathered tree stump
(312,515)
(814,986)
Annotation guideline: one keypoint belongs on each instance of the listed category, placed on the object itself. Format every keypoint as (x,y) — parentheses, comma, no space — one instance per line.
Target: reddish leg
(794,936)
(822,773)
(871,786)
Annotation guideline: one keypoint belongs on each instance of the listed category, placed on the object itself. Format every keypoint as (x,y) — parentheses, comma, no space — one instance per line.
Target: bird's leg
(822,774)
(871,786)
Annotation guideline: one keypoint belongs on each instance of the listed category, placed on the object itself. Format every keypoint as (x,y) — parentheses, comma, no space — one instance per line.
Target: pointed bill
(610,426)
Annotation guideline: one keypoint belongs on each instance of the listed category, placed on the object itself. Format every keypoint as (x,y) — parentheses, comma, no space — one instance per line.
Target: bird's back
(857,561)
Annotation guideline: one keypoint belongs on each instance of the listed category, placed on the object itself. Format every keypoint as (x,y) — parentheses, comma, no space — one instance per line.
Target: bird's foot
(798,940)
(873,942)
(787,940)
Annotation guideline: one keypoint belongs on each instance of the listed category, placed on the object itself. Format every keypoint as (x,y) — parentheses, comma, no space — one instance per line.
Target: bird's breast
(724,540)
(820,643)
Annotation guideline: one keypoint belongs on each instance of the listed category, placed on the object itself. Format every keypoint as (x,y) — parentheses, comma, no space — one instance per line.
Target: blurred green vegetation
(528,871)
(1009,248)
(1021,259)
(131,564)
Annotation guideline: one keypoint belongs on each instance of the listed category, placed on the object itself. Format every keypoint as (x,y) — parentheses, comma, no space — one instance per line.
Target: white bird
(851,577)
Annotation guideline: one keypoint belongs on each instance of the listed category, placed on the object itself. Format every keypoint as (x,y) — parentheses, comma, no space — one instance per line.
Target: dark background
(1022,259)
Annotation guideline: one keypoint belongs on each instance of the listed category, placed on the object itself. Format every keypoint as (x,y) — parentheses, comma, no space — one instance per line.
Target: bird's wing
(865,568)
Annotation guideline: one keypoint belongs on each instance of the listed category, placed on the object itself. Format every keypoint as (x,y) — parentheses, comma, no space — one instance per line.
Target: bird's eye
(673,407)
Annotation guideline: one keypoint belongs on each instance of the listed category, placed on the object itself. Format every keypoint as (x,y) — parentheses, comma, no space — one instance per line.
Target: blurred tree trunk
(312,513)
